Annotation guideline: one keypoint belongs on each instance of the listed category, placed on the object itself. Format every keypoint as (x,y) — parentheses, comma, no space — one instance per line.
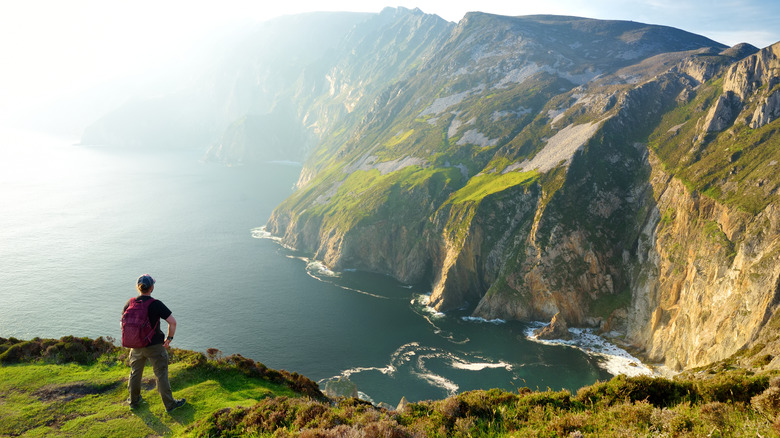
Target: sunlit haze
(57,50)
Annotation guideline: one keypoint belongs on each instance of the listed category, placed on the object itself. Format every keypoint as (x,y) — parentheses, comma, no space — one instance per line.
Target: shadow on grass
(183,415)
(230,380)
(151,420)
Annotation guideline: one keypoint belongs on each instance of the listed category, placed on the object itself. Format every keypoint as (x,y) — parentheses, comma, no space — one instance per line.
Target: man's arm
(171,330)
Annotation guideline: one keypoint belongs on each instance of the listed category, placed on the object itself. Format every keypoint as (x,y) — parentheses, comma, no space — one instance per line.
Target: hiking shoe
(136,405)
(179,403)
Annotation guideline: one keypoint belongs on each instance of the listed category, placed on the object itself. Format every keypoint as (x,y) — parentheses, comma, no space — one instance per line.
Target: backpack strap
(148,303)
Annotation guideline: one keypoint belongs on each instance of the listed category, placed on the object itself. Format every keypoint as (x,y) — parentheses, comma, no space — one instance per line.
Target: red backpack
(137,331)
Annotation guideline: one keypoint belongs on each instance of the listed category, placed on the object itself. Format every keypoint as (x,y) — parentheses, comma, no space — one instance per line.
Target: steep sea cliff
(613,222)
(620,175)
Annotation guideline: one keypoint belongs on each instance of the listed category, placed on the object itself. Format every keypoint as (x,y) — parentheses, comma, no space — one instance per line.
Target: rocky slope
(617,174)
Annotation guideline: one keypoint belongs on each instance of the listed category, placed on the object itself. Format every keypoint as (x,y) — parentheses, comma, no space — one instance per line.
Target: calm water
(78,225)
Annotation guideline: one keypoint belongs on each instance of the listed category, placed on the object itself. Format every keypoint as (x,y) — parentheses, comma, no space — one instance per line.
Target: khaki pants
(158,357)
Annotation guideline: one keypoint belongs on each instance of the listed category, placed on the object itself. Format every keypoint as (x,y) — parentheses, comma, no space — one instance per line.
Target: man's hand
(171,330)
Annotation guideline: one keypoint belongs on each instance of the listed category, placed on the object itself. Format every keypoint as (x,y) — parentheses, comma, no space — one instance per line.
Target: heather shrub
(66,349)
(20,352)
(637,413)
(249,367)
(735,386)
(762,361)
(568,423)
(560,399)
(282,416)
(63,352)
(768,402)
(657,391)
(716,413)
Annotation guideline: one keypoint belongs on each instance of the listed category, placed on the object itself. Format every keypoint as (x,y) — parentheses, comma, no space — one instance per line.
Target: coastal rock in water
(558,329)
(341,387)
(402,404)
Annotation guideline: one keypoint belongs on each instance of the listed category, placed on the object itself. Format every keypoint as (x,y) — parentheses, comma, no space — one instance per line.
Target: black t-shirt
(157,310)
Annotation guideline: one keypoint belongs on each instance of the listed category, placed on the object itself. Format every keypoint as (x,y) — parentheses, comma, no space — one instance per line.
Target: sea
(79,224)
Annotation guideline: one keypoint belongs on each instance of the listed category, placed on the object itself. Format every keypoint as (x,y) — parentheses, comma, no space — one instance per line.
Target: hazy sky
(55,48)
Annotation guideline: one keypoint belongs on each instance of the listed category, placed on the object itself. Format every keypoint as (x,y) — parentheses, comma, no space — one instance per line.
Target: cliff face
(616,174)
(709,273)
(617,206)
(708,281)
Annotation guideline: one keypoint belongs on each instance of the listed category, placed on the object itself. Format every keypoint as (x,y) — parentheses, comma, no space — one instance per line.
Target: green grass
(398,139)
(39,397)
(90,400)
(482,186)
(368,196)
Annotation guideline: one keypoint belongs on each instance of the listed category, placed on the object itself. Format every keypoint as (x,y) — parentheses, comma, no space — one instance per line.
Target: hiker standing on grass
(141,332)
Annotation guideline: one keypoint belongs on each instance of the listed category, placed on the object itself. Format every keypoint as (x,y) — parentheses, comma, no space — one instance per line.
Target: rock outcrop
(557,329)
(341,387)
(767,111)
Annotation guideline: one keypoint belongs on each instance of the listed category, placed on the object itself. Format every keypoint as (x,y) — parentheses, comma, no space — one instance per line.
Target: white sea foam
(611,357)
(478,319)
(479,366)
(423,300)
(363,396)
(412,358)
(320,271)
(439,381)
(420,303)
(318,267)
(262,233)
(388,370)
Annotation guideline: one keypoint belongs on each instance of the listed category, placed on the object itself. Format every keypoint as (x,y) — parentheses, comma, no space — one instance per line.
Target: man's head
(145,284)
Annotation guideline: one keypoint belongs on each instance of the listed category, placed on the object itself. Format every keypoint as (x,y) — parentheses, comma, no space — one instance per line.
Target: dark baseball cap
(146,280)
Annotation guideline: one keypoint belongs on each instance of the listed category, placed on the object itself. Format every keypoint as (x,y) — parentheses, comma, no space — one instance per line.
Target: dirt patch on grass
(72,391)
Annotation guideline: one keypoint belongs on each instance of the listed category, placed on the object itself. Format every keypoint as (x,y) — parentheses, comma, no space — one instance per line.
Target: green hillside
(78,387)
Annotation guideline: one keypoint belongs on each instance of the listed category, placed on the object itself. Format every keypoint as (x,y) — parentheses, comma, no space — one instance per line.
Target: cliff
(619,174)
(589,203)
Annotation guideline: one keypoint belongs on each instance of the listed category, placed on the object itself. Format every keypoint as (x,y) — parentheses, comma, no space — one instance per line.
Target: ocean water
(78,225)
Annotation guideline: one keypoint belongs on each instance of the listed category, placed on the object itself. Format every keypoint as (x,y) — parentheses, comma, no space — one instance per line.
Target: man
(155,352)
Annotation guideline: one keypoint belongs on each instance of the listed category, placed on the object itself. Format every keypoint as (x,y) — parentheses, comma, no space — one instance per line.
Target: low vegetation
(77,386)
(732,404)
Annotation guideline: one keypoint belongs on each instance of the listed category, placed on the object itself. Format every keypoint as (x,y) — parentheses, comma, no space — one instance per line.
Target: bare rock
(558,329)
(341,387)
(402,404)
(723,113)
(767,111)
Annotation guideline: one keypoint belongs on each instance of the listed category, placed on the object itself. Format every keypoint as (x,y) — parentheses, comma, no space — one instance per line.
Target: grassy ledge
(77,387)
